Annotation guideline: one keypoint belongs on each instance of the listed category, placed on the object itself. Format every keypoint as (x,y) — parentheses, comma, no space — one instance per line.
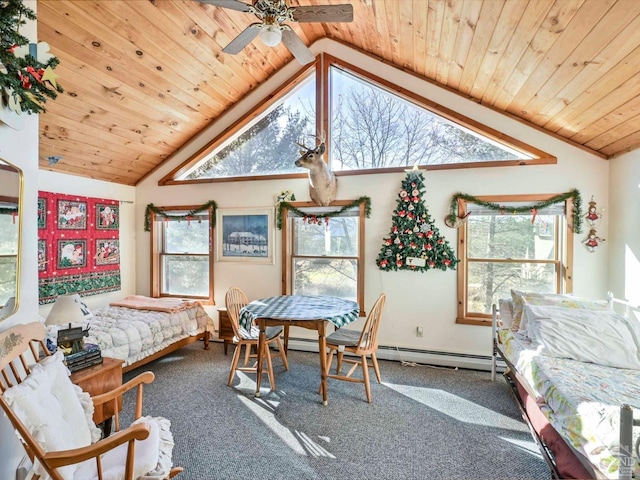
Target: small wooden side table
(100,379)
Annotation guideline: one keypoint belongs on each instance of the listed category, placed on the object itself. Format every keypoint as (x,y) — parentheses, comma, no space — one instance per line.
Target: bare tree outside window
(374,128)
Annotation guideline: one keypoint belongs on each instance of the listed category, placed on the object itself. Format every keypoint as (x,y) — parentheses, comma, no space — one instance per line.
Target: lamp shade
(271,35)
(68,309)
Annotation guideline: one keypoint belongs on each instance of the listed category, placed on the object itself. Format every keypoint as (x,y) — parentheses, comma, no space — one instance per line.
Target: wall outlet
(418,331)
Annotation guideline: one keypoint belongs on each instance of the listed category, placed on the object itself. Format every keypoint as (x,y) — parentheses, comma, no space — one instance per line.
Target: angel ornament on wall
(592,214)
(592,241)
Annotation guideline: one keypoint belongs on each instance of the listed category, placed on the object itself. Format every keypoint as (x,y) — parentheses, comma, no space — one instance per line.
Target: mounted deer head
(323,184)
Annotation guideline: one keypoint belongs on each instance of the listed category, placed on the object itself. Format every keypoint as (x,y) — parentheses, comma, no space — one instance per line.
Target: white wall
(624,228)
(425,299)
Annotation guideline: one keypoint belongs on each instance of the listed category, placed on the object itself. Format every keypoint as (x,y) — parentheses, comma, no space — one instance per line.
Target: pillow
(152,455)
(601,337)
(506,312)
(50,406)
(54,367)
(551,299)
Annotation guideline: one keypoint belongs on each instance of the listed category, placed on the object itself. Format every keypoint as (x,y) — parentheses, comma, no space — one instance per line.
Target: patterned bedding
(132,335)
(581,400)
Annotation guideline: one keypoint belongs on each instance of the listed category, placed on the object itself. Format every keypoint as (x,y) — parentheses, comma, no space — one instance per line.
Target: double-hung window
(182,259)
(503,250)
(324,255)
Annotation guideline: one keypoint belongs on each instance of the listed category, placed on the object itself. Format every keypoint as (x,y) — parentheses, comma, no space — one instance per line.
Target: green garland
(8,211)
(25,82)
(158,211)
(575,194)
(333,213)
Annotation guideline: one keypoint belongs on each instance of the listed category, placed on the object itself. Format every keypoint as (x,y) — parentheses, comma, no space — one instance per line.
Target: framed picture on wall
(72,215)
(107,251)
(107,217)
(42,213)
(72,253)
(245,235)
(42,256)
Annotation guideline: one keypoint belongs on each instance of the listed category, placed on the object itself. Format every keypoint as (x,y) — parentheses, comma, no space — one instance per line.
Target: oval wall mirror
(10,227)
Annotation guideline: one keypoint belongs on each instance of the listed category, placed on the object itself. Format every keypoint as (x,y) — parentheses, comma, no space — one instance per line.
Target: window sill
(483,322)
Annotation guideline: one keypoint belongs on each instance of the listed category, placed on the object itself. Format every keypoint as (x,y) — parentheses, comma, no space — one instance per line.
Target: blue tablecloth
(338,311)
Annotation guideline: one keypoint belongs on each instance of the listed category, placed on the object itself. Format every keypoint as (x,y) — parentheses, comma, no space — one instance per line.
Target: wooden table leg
(322,345)
(262,341)
(286,339)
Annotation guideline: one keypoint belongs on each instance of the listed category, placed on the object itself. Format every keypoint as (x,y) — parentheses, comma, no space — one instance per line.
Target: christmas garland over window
(188,216)
(318,217)
(533,209)
(8,211)
(25,82)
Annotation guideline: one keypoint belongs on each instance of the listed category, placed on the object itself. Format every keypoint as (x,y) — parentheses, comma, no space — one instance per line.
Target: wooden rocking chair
(53,418)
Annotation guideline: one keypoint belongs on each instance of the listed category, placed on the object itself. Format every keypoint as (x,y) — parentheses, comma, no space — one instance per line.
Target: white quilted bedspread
(132,335)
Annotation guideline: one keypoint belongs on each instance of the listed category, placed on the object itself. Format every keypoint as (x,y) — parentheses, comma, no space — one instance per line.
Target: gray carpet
(424,423)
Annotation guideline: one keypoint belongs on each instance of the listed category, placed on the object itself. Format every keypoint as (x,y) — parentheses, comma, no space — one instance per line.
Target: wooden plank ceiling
(142,77)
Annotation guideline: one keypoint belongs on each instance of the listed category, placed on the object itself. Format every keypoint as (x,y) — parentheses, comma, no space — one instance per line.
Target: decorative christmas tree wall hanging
(27,79)
(414,243)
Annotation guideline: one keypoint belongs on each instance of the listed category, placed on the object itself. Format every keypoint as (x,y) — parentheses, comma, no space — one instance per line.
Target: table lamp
(69,309)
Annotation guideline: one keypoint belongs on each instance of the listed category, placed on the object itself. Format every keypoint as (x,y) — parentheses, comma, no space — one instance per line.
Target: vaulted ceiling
(142,77)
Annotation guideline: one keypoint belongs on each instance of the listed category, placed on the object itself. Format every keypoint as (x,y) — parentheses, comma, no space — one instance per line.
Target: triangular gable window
(373,126)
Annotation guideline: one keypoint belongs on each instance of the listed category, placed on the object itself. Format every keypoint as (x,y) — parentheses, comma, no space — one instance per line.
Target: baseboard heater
(413,355)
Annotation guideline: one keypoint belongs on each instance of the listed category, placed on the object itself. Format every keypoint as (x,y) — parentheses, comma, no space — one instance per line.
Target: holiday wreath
(25,81)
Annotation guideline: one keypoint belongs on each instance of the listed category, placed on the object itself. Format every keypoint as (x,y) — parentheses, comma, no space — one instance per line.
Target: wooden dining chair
(53,418)
(234,300)
(360,344)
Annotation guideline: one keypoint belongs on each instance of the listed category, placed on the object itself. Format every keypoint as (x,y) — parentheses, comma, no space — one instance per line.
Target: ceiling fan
(271,27)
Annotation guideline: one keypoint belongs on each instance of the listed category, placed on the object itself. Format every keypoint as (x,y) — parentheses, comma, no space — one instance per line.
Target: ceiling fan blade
(297,47)
(243,39)
(324,13)
(232,4)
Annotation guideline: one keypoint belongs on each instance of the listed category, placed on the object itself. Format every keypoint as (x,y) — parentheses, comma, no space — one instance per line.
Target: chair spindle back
(369,337)
(235,300)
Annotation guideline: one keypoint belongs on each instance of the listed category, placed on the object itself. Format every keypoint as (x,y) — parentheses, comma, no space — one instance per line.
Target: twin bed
(574,366)
(140,329)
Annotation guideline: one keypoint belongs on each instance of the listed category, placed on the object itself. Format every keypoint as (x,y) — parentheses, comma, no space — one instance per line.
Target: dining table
(307,311)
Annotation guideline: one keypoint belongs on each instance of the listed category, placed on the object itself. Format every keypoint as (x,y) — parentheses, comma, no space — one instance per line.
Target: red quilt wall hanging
(78,245)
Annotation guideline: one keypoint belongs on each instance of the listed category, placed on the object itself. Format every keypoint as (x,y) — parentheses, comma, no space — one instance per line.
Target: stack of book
(87,357)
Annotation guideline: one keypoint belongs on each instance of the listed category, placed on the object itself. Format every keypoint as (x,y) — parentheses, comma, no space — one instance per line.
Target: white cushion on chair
(51,407)
(58,371)
(152,455)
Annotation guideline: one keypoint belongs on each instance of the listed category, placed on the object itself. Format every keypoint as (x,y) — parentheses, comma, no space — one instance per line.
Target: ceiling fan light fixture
(271,35)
